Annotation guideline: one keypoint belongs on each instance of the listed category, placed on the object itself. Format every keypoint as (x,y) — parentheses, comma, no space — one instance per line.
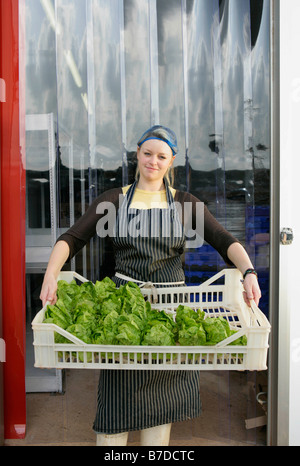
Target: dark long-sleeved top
(86,227)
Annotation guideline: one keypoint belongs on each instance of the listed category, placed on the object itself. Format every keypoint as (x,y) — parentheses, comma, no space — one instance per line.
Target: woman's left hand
(252,289)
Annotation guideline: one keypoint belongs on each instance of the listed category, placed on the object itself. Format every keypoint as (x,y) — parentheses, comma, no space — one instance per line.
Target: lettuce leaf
(158,335)
(103,314)
(216,330)
(128,334)
(192,336)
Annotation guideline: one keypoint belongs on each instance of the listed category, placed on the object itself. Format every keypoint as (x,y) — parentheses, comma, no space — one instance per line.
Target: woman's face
(154,158)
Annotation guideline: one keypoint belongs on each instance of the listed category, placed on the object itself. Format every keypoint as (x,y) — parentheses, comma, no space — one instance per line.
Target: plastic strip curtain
(89,100)
(153,58)
(234,56)
(122,65)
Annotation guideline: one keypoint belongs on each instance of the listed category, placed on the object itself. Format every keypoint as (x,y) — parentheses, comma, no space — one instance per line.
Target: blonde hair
(163,133)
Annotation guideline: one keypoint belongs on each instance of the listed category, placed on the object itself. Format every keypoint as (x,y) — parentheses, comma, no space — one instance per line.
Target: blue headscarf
(163,134)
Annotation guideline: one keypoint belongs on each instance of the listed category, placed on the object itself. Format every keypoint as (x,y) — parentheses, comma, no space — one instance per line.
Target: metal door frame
(274,227)
(284,360)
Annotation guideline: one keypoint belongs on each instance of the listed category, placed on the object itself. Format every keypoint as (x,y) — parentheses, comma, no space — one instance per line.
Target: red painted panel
(12,225)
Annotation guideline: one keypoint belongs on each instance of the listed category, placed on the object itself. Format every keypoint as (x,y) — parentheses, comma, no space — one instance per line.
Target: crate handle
(67,335)
(230,339)
(62,276)
(258,314)
(80,277)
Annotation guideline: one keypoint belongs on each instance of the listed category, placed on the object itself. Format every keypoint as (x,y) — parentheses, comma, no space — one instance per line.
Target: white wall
(289,275)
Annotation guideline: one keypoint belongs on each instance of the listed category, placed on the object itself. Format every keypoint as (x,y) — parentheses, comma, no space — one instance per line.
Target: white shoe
(158,435)
(105,440)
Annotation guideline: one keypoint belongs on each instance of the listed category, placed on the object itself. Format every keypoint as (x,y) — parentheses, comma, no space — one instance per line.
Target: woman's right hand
(49,288)
(57,259)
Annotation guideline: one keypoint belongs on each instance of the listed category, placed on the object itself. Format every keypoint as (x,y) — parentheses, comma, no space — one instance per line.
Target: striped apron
(148,244)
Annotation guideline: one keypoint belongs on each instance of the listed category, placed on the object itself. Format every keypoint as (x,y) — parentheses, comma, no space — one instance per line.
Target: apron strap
(148,285)
(143,284)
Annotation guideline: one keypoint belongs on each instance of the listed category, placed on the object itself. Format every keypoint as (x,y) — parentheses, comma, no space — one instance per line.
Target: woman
(148,237)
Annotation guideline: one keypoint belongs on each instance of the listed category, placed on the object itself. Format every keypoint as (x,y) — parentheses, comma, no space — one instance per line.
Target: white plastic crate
(215,298)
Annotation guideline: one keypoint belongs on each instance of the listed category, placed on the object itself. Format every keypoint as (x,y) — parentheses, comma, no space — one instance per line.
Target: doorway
(100,72)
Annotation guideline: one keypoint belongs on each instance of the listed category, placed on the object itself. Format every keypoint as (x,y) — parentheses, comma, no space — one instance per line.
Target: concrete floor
(228,399)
